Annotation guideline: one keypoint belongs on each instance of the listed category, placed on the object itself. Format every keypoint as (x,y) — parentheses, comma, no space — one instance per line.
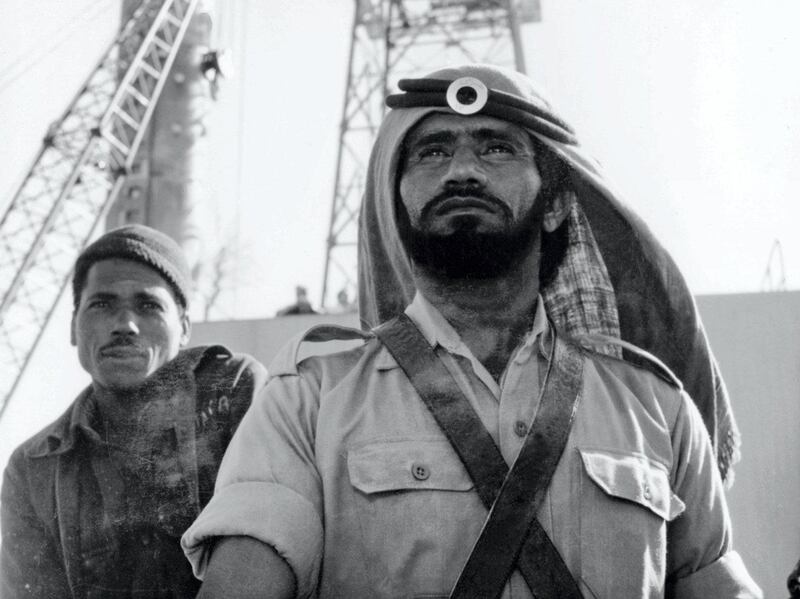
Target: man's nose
(465,167)
(126,322)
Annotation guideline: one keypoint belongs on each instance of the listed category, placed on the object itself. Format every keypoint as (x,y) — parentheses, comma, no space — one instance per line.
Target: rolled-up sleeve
(725,577)
(268,487)
(701,560)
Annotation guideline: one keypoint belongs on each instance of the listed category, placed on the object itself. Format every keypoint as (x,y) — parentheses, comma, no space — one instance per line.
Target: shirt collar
(59,437)
(433,326)
(437,331)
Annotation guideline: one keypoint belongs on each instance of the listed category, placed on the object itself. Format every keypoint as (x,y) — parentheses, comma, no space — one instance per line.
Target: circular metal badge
(467,95)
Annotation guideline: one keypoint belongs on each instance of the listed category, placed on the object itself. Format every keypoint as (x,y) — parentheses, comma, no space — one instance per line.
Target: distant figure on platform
(498,434)
(344,305)
(301,305)
(94,504)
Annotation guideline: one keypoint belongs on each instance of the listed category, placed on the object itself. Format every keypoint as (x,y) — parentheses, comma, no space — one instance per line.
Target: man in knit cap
(499,432)
(95,503)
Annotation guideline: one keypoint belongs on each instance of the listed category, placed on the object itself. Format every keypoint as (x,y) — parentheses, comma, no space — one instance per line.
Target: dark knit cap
(139,244)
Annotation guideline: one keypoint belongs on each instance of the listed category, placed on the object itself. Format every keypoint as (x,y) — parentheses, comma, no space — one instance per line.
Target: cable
(30,59)
(240,149)
(26,54)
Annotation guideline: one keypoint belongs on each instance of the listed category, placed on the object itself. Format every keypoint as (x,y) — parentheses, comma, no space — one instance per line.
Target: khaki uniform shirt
(341,468)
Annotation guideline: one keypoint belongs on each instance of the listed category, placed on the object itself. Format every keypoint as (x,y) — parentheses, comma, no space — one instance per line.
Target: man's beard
(466,253)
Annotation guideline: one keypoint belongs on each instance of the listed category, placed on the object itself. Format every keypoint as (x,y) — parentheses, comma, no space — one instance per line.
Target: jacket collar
(61,436)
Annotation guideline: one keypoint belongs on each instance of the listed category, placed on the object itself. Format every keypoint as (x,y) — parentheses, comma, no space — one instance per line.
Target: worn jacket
(58,540)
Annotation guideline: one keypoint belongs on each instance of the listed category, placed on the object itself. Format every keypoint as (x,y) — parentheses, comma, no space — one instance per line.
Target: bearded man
(490,440)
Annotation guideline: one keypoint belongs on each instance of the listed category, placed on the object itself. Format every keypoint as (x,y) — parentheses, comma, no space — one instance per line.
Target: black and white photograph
(399,299)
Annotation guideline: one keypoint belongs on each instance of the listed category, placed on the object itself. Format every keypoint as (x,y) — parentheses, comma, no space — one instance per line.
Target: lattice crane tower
(392,39)
(166,185)
(79,170)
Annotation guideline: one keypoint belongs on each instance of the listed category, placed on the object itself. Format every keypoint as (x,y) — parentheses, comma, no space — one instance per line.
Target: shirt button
(520,428)
(420,471)
(646,492)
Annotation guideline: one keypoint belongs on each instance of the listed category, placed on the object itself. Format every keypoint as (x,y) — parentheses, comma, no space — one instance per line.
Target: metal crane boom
(79,169)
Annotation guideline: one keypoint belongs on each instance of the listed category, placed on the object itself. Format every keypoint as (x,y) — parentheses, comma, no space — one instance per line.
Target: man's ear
(186,328)
(557,211)
(73,338)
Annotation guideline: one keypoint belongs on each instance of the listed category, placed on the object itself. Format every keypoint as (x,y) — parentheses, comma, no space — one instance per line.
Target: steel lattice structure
(78,171)
(392,39)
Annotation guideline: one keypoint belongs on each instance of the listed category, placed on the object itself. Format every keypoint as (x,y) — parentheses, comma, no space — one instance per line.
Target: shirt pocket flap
(406,465)
(633,478)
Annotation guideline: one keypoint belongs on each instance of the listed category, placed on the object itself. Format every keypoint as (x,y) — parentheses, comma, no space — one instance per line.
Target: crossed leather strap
(511,536)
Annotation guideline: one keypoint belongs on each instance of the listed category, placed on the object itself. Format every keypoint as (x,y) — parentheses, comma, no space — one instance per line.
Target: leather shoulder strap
(632,355)
(511,534)
(286,360)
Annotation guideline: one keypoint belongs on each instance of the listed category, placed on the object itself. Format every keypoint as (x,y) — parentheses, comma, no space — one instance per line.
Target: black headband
(468,95)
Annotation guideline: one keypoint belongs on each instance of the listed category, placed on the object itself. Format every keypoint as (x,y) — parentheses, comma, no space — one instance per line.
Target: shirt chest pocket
(626,502)
(406,465)
(416,514)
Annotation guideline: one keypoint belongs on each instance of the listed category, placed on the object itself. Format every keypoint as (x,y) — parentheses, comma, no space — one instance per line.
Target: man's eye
(150,306)
(499,148)
(432,152)
(99,304)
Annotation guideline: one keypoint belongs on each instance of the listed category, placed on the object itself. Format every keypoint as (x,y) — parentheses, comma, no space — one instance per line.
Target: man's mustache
(465,191)
(120,342)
